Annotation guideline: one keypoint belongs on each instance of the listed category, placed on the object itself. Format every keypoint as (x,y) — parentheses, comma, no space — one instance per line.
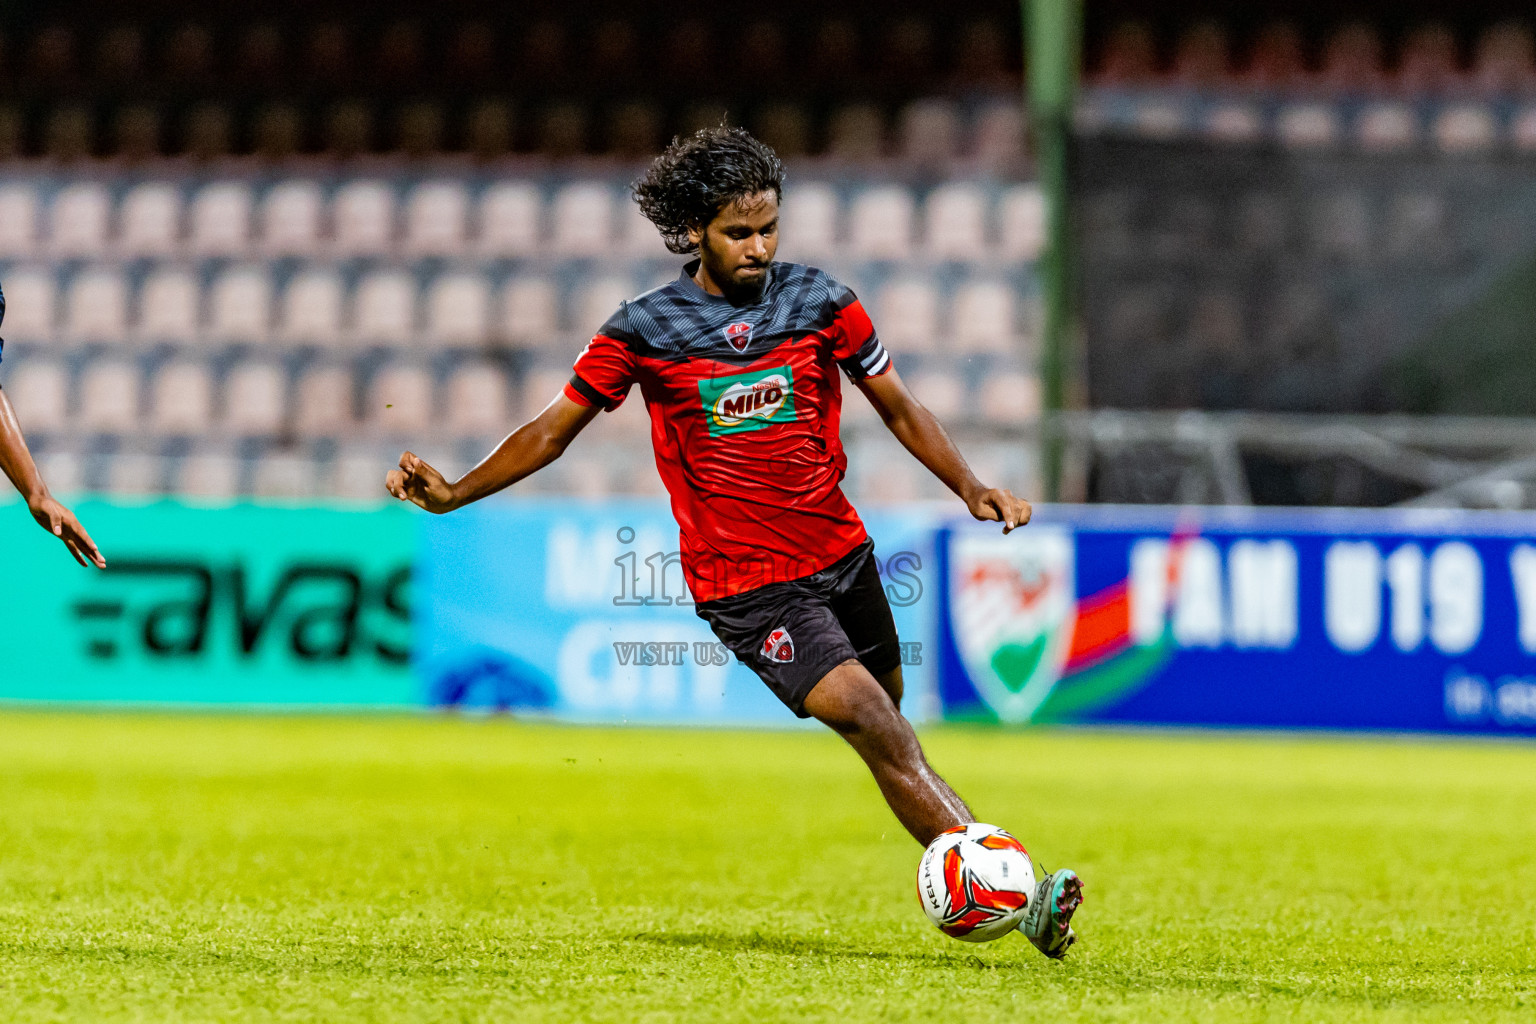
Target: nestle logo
(739,335)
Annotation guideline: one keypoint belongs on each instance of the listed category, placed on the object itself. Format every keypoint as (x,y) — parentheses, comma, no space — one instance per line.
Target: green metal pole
(1053,39)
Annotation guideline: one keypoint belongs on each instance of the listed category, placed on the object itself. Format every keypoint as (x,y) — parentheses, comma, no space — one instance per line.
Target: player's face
(737,247)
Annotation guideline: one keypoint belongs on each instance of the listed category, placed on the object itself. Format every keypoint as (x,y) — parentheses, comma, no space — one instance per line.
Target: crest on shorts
(1012,610)
(779,647)
(739,335)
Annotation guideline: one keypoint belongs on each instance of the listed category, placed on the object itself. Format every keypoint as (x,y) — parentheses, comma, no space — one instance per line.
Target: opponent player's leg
(856,706)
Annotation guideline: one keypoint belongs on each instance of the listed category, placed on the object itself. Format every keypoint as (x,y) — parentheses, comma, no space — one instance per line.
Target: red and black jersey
(745,403)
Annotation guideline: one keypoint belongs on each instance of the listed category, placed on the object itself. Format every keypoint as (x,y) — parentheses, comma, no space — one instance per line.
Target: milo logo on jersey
(748,401)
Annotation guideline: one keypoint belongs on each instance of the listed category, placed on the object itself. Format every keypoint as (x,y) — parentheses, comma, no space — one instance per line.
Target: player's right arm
(16,462)
(523,452)
(604,372)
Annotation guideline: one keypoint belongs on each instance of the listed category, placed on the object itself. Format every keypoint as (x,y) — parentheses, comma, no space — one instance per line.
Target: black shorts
(792,634)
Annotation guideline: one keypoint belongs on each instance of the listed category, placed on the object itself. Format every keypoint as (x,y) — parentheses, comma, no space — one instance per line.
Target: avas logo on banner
(749,401)
(1012,611)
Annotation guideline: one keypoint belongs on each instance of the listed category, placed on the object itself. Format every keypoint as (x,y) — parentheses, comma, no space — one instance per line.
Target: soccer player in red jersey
(738,362)
(16,462)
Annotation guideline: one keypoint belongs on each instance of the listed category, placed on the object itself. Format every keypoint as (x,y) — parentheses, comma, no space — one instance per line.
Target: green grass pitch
(167,868)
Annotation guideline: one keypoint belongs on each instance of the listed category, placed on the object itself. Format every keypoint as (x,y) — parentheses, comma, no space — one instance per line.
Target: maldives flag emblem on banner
(1012,608)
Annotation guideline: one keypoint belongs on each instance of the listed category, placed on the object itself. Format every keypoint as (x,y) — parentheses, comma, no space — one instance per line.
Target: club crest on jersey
(748,401)
(779,647)
(739,335)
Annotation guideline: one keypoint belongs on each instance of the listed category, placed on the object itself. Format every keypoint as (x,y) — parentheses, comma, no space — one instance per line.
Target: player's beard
(745,293)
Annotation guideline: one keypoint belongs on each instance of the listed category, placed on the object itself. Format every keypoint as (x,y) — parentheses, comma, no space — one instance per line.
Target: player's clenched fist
(420,484)
(999,505)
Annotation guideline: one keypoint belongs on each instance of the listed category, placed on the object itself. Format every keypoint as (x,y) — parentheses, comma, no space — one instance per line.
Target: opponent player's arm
(525,451)
(16,462)
(919,431)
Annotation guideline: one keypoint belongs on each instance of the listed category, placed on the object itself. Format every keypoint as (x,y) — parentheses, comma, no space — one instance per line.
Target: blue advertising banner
(578,611)
(1421,620)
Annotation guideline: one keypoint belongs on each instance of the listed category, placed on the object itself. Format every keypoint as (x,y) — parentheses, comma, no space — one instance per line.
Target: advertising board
(232,605)
(1421,620)
(578,611)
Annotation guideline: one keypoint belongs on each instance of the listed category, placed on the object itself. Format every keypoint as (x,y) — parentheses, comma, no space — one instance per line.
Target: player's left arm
(922,435)
(17,464)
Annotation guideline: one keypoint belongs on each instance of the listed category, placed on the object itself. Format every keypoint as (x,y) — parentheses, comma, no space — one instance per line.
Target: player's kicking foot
(1048,922)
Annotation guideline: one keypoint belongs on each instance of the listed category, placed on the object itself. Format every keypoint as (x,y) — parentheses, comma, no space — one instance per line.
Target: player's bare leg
(864,712)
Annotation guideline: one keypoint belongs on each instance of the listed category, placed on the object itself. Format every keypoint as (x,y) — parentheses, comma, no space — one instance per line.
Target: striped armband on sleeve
(871,360)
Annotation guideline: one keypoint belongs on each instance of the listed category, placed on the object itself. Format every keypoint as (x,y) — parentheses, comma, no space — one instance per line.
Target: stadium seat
(942,391)
(856,133)
(79,221)
(1021,219)
(1276,60)
(998,137)
(435,217)
(906,315)
(459,310)
(982,317)
(96,308)
(135,473)
(358,476)
(30,300)
(399,400)
(384,308)
(1010,398)
(221,220)
(208,475)
(168,301)
(1504,63)
(284,475)
(1201,60)
(240,306)
(1427,63)
(809,221)
(149,220)
(363,213)
(109,397)
(181,399)
(475,401)
(955,218)
(1465,128)
(928,132)
(39,390)
(290,219)
(785,128)
(880,223)
(529,308)
(311,311)
(510,220)
(1352,60)
(323,401)
(1307,125)
(638,237)
(581,219)
(899,479)
(1129,56)
(1417,226)
(255,398)
(1341,224)
(1234,121)
(1522,130)
(597,300)
(542,386)
(18,220)
(1386,127)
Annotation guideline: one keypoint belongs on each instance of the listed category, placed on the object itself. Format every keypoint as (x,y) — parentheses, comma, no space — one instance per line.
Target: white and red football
(975,882)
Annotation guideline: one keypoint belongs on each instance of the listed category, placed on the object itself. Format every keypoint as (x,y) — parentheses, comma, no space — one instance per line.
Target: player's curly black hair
(699,175)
